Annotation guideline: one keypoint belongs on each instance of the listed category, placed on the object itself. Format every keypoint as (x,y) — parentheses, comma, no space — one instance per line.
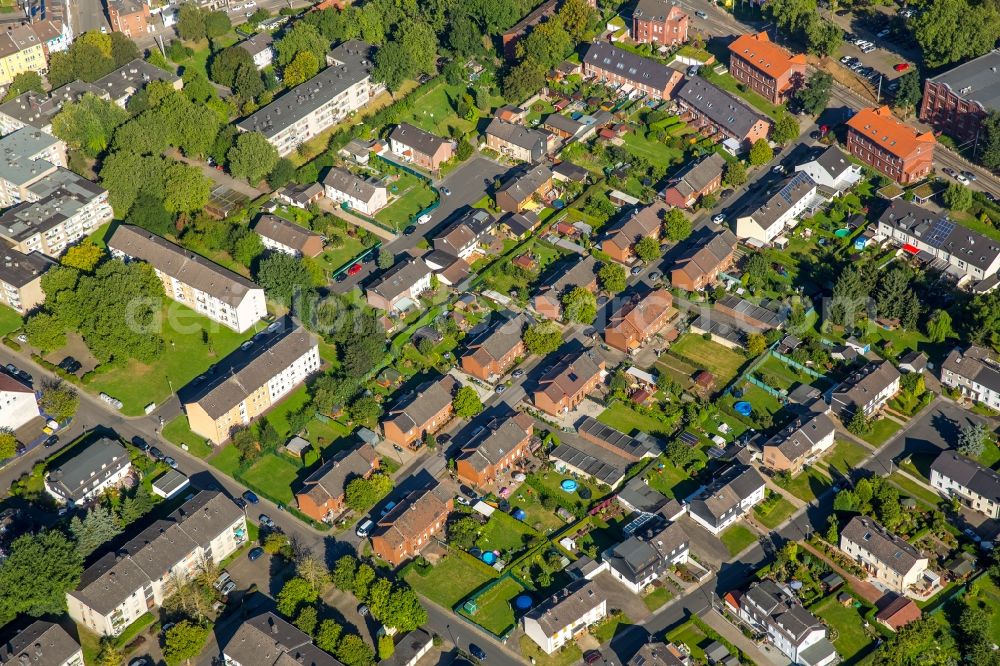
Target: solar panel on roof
(940,232)
(689,438)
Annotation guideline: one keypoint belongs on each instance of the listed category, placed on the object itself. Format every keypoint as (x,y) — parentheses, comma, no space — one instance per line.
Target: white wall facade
(552,643)
(17,408)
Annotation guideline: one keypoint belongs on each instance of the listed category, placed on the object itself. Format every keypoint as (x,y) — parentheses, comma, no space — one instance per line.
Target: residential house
(975,372)
(420,412)
(268,640)
(638,320)
(957,101)
(647,222)
(20,51)
(281,235)
(805,437)
(564,615)
(868,389)
(517,141)
(832,171)
(342,186)
(260,47)
(647,554)
(889,145)
(521,190)
(510,38)
(548,298)
(419,147)
(566,171)
(888,559)
(773,609)
(253,384)
(562,126)
(130,78)
(659,654)
(450,270)
(698,179)
(967,254)
(129,17)
(300,196)
(781,212)
(310,108)
(898,613)
(509,113)
(492,353)
(568,382)
(705,254)
(614,66)
(913,361)
(41,643)
(322,494)
(124,585)
(398,288)
(411,524)
(190,279)
(410,649)
(632,449)
(465,235)
(659,22)
(713,111)
(100,466)
(766,68)
(519,225)
(54,33)
(974,485)
(730,495)
(493,449)
(18,404)
(580,456)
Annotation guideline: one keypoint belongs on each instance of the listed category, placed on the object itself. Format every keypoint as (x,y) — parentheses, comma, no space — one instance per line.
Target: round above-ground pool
(841,233)
(743,408)
(569,485)
(523,602)
(489,557)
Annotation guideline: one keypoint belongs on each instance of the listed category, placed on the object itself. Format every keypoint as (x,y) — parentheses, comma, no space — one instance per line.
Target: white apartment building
(564,615)
(975,372)
(188,278)
(102,465)
(975,486)
(781,212)
(252,383)
(27,155)
(311,107)
(124,585)
(363,196)
(18,405)
(887,558)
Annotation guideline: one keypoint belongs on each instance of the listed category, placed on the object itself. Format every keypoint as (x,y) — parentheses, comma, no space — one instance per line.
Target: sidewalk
(328,206)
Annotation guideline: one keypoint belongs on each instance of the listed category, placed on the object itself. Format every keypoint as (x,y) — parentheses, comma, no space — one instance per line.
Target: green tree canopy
(676,226)
(252,157)
(38,571)
(613,278)
(542,338)
(466,402)
(580,305)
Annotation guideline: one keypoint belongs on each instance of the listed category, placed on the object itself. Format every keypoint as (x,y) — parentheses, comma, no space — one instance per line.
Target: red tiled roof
(765,55)
(882,128)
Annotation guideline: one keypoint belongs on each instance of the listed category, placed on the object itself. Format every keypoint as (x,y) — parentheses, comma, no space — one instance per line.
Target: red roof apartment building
(638,320)
(568,382)
(889,145)
(704,257)
(956,101)
(493,449)
(660,22)
(410,525)
(423,411)
(766,68)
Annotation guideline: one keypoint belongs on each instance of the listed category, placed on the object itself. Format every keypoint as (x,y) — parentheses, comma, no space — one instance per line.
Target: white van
(364,529)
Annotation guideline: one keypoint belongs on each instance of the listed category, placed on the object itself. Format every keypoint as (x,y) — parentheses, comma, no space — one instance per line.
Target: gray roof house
(41,643)
(98,467)
(731,495)
(646,555)
(868,388)
(580,456)
(398,287)
(517,140)
(267,640)
(888,559)
(729,114)
(775,610)
(553,621)
(974,485)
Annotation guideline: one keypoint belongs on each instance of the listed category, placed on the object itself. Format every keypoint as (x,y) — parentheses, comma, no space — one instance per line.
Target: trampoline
(489,557)
(743,408)
(519,514)
(842,233)
(523,602)
(569,485)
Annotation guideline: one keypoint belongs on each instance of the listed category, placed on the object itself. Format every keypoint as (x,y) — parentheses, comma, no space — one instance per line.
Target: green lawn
(851,639)
(624,418)
(502,532)
(670,480)
(691,635)
(414,196)
(655,152)
(809,484)
(450,580)
(227,460)
(274,476)
(881,431)
(777,512)
(785,375)
(721,361)
(568,654)
(10,320)
(178,433)
(185,356)
(728,83)
(606,630)
(537,516)
(987,592)
(495,607)
(657,598)
(845,456)
(737,537)
(334,258)
(433,111)
(290,404)
(915,490)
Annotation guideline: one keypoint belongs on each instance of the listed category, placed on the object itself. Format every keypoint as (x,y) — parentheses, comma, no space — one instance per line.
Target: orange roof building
(766,68)
(880,140)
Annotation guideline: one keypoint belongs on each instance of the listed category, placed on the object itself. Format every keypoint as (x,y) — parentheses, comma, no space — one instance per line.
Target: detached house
(495,447)
(659,22)
(832,172)
(806,436)
(867,389)
(564,615)
(638,320)
(889,145)
(260,48)
(568,382)
(548,299)
(467,234)
(410,525)
(695,181)
(398,288)
(731,495)
(705,255)
(322,494)
(647,222)
(342,186)
(975,486)
(41,644)
(281,235)
(419,147)
(632,449)
(781,212)
(18,404)
(649,553)
(766,68)
(887,558)
(423,411)
(975,372)
(99,467)
(517,193)
(491,354)
(518,141)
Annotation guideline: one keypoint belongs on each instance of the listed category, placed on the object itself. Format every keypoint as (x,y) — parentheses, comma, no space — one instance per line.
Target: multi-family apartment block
(41,644)
(615,66)
(308,109)
(766,68)
(124,585)
(887,558)
(100,466)
(868,389)
(129,17)
(517,141)
(889,145)
(26,157)
(421,412)
(130,78)
(268,640)
(659,22)
(564,615)
(190,279)
(975,486)
(411,524)
(21,51)
(781,212)
(21,279)
(956,101)
(975,372)
(715,111)
(253,385)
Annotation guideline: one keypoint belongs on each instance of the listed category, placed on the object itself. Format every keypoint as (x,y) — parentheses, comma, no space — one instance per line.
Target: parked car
(884,32)
(702,15)
(636,270)
(969,175)
(363,610)
(424,219)
(255,553)
(364,529)
(517,374)
(354,269)
(140,443)
(592,656)
(719,219)
(476,651)
(500,389)
(51,441)
(22,338)
(266,521)
(246,345)
(960,177)
(228,588)
(948,171)
(238,501)
(388,507)
(12,369)
(251,497)
(156,453)
(408,231)
(170,461)
(220,582)
(445,191)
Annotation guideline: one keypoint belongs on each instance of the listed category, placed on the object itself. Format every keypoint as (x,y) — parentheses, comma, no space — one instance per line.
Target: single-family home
(888,559)
(489,355)
(562,616)
(582,457)
(398,288)
(647,222)
(548,298)
(518,142)
(100,466)
(409,649)
(523,188)
(699,178)
(466,234)
(832,171)
(322,494)
(780,212)
(420,147)
(562,126)
(975,372)
(260,48)
(300,195)
(281,235)
(420,412)
(808,435)
(660,654)
(868,389)
(493,448)
(639,319)
(876,137)
(411,524)
(730,495)
(705,254)
(974,485)
(266,639)
(366,197)
(647,554)
(568,382)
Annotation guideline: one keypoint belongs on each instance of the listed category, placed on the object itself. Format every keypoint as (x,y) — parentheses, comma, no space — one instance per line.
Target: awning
(910,248)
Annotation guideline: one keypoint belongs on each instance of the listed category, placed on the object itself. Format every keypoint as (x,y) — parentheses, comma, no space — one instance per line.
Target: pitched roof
(465,230)
(331,479)
(570,171)
(899,612)
(566,607)
(40,643)
(645,222)
(569,375)
(834,161)
(412,516)
(534,140)
(581,272)
(727,492)
(595,461)
(417,408)
(400,278)
(706,253)
(268,640)
(764,55)
(720,107)
(798,438)
(658,654)
(940,232)
(891,551)
(420,140)
(862,385)
(975,80)
(182,265)
(781,610)
(648,549)
(407,648)
(96,463)
(344,181)
(969,474)
(257,43)
(883,129)
(493,343)
(699,175)
(526,184)
(630,66)
(635,316)
(562,123)
(496,439)
(133,76)
(283,231)
(977,364)
(657,10)
(799,186)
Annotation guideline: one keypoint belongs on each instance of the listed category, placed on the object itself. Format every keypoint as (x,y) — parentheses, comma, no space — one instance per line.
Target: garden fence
(361,256)
(795,364)
(767,387)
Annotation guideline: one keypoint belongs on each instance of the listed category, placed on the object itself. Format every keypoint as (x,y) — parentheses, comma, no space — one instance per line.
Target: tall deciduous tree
(815,94)
(580,305)
(37,573)
(613,278)
(542,338)
(676,226)
(466,402)
(252,157)
(184,641)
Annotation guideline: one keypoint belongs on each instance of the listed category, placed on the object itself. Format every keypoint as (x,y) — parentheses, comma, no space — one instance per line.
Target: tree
(580,305)
(294,594)
(252,157)
(676,226)
(952,30)
(756,344)
(217,24)
(366,409)
(466,402)
(362,494)
(464,532)
(184,641)
(736,173)
(385,259)
(972,440)
(275,542)
(96,529)
(190,23)
(88,124)
(283,277)
(613,278)
(989,156)
(760,153)
(282,173)
(420,43)
(859,424)
(522,80)
(37,573)
(647,249)
(355,652)
(227,62)
(363,580)
(313,570)
(939,326)
(757,271)
(186,188)
(391,66)
(909,92)
(328,636)
(786,129)
(542,338)
(547,44)
(301,69)
(8,443)
(823,37)
(111,654)
(385,647)
(404,611)
(344,571)
(22,83)
(45,331)
(84,256)
(307,619)
(815,94)
(957,197)
(248,248)
(302,37)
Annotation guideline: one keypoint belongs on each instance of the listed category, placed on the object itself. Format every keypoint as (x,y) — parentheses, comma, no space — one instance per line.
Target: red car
(902,67)
(354,270)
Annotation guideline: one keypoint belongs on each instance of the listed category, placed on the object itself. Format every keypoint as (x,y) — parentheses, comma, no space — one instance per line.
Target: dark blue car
(251,497)
(255,553)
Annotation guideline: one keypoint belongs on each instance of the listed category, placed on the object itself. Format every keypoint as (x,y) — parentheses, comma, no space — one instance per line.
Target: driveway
(705,545)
